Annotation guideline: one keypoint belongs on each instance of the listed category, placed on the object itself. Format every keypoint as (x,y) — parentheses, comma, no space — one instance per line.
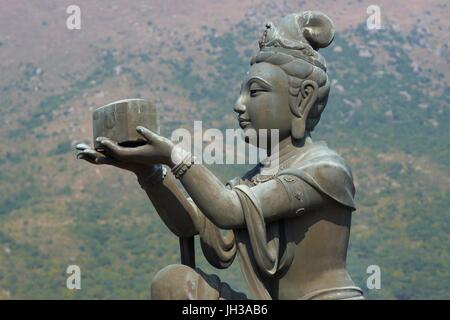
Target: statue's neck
(288,144)
(285,149)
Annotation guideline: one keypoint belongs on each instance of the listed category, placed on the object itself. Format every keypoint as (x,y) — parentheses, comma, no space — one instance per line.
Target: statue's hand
(92,156)
(158,150)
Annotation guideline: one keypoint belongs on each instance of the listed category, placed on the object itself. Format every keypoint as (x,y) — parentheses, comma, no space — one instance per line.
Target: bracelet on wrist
(181,168)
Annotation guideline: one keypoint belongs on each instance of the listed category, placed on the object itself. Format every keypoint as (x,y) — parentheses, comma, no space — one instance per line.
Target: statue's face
(263,102)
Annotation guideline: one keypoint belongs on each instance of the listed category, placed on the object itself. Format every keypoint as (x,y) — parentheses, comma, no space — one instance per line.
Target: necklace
(260,178)
(279,161)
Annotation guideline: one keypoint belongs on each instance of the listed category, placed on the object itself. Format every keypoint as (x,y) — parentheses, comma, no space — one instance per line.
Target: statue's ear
(307,97)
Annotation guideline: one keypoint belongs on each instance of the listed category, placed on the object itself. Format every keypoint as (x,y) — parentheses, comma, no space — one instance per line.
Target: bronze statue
(289,229)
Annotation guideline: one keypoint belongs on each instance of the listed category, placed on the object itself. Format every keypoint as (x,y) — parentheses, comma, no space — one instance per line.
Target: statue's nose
(239,107)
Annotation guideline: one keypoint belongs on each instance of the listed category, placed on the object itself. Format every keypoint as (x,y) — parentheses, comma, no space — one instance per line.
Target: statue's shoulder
(318,154)
(325,170)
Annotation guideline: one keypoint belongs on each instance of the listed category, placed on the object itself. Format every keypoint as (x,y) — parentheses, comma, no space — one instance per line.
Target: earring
(298,128)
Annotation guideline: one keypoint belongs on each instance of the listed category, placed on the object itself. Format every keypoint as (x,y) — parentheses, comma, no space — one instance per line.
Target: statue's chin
(253,143)
(251,137)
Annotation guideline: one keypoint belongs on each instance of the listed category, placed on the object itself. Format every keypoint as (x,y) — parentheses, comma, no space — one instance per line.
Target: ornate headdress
(300,35)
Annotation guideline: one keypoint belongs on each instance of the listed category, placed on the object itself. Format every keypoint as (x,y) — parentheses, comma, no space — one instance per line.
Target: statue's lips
(243,123)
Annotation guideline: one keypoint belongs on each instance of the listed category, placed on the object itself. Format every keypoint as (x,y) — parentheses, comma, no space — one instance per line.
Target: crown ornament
(300,35)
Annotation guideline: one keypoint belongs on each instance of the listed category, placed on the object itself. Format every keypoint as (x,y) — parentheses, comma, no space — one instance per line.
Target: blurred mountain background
(388,115)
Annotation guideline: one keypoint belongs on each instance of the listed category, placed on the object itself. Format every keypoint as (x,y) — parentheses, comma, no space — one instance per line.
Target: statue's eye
(255,87)
(255,92)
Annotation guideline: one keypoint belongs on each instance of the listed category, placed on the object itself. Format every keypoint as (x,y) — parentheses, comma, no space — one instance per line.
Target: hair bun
(311,29)
(317,28)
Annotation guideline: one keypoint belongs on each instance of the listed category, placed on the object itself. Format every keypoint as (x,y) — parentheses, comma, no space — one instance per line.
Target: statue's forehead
(264,70)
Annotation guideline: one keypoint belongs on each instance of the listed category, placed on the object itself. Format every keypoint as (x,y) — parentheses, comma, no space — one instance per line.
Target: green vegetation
(43,111)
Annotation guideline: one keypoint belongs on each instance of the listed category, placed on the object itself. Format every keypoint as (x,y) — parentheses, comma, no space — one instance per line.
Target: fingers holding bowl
(90,155)
(82,146)
(123,154)
(111,148)
(147,134)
